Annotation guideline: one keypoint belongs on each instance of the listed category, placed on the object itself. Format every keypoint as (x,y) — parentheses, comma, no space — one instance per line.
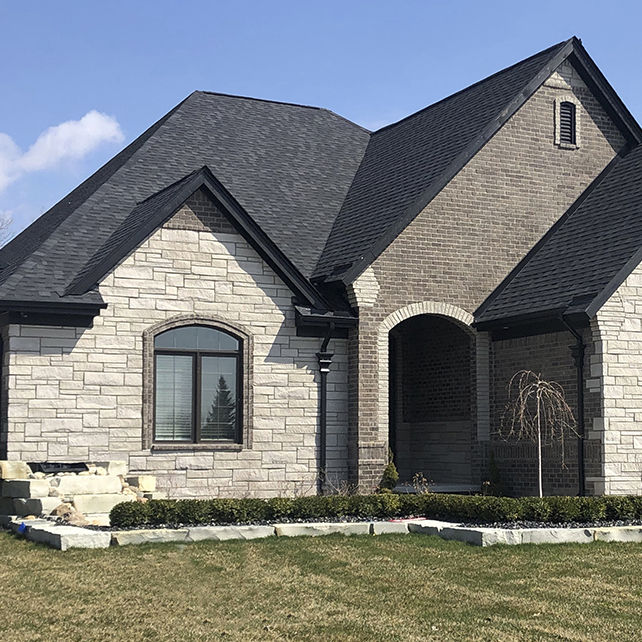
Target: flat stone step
(73,485)
(37,506)
(92,504)
(14,470)
(26,488)
(59,536)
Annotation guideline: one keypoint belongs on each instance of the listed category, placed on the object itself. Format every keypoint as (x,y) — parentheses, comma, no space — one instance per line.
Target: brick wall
(550,356)
(76,394)
(468,238)
(433,382)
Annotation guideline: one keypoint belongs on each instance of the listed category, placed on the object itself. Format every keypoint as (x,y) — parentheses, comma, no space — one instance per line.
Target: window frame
(197,385)
(559,101)
(244,369)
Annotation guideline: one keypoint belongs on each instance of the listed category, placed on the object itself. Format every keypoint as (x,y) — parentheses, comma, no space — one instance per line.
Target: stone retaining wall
(78,498)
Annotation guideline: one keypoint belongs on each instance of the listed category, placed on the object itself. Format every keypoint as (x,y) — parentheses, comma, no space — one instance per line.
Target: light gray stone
(387,528)
(114,467)
(91,504)
(427,526)
(14,470)
(144,483)
(27,488)
(149,536)
(76,485)
(322,528)
(619,534)
(66,537)
(223,533)
(557,535)
(493,536)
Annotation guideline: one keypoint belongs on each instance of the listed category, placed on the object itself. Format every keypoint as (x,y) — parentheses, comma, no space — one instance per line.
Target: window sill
(165,447)
(568,145)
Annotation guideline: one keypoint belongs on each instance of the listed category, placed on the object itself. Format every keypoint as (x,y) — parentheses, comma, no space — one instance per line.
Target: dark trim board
(48,319)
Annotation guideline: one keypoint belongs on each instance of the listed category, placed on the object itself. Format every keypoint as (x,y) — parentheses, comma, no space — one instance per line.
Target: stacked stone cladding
(616,376)
(75,394)
(460,247)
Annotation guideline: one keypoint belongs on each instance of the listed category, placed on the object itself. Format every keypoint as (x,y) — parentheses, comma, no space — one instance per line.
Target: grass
(398,587)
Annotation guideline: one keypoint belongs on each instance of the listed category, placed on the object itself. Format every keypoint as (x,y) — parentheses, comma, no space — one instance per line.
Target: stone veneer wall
(460,247)
(550,356)
(76,394)
(616,372)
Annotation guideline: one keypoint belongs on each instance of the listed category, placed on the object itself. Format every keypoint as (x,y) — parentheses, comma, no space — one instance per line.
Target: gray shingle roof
(404,159)
(288,166)
(329,195)
(584,257)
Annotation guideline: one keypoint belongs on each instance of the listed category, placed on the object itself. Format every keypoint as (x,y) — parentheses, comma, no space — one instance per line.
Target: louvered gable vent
(567,123)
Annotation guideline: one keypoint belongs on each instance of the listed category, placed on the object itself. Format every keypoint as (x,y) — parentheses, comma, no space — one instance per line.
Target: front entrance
(432,383)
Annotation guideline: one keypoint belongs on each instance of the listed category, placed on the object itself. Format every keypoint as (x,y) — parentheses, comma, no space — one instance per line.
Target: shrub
(390,475)
(130,514)
(471,508)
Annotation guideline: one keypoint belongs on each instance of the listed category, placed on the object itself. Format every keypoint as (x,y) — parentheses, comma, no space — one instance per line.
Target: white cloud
(70,140)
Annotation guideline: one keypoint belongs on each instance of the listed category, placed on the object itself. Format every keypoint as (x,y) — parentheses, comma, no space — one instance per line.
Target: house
(260,298)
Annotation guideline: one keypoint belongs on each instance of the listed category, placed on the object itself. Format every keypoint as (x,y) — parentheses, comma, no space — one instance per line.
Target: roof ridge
(254,98)
(282,102)
(475,84)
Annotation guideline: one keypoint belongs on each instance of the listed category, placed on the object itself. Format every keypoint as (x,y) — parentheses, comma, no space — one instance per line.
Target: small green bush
(468,508)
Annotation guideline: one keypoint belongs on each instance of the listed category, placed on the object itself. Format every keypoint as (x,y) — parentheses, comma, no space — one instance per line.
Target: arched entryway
(431,393)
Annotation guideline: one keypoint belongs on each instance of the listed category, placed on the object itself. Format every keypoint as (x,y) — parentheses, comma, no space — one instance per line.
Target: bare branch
(537,411)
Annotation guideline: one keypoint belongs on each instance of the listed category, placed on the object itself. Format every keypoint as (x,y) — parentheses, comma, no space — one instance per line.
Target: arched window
(197,385)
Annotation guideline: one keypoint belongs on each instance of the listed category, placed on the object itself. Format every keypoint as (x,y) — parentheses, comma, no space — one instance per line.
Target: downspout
(325,359)
(577,351)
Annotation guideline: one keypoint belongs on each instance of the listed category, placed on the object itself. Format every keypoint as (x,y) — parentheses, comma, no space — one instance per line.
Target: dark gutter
(527,318)
(53,307)
(325,359)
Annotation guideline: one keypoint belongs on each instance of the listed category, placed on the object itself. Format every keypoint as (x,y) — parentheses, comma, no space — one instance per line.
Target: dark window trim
(197,361)
(243,373)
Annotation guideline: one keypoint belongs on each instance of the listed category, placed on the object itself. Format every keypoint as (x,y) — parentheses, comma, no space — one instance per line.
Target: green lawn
(401,587)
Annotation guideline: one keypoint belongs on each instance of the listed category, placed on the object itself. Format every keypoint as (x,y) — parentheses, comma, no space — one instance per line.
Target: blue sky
(81,79)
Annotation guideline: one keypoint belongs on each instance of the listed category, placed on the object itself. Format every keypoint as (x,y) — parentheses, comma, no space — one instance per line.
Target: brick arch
(459,316)
(247,361)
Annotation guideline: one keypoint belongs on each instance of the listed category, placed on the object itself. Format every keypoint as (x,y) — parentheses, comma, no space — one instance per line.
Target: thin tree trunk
(539,447)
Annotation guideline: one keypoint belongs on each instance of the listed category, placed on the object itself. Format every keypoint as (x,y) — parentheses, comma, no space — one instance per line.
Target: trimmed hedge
(468,508)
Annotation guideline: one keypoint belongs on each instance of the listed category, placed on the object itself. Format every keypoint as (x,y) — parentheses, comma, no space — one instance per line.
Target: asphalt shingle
(582,255)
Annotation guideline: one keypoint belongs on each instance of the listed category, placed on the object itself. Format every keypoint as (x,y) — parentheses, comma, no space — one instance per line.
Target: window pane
(173,409)
(218,398)
(196,337)
(184,338)
(211,339)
